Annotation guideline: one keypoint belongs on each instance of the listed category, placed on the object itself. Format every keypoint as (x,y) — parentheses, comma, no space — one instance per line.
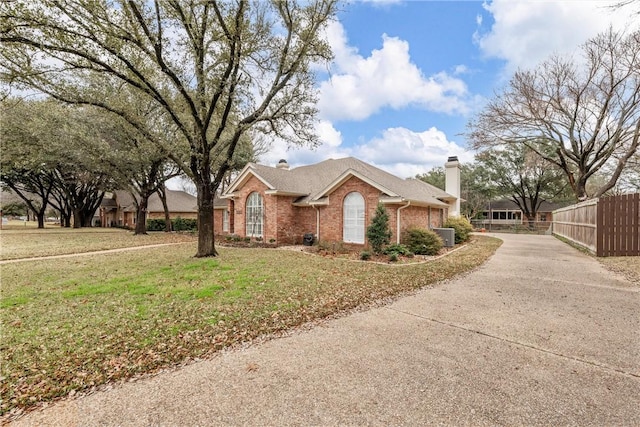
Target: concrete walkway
(105,251)
(540,335)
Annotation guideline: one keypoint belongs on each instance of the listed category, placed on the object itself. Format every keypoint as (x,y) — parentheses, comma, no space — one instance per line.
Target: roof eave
(277,192)
(324,201)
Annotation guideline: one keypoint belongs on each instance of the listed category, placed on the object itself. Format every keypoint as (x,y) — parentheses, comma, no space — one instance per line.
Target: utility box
(448,236)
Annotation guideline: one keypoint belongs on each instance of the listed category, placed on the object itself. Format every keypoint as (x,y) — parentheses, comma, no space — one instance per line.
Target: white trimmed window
(353,218)
(225,220)
(255,211)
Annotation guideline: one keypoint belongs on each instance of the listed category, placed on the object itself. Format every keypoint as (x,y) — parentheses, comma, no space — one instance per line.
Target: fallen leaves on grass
(86,324)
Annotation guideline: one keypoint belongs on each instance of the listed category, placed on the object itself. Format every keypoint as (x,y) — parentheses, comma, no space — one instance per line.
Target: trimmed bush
(155,224)
(421,241)
(177,224)
(365,255)
(462,227)
(182,224)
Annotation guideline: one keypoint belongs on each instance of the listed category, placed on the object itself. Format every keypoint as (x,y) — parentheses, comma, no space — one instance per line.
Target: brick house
(334,200)
(119,208)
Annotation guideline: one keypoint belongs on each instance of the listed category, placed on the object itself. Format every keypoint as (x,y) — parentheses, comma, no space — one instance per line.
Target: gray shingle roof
(177,201)
(311,182)
(508,204)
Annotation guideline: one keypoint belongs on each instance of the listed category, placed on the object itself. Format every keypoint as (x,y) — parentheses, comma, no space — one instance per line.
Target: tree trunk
(162,192)
(86,219)
(531,219)
(40,217)
(67,220)
(581,191)
(141,215)
(77,218)
(61,218)
(206,245)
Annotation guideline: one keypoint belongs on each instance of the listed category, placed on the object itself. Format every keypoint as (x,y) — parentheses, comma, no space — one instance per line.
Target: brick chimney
(452,184)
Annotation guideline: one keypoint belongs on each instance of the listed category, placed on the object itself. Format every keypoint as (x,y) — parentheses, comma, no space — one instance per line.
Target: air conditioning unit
(448,236)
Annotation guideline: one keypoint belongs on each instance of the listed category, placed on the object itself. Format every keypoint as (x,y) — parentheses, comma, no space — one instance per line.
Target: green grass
(74,323)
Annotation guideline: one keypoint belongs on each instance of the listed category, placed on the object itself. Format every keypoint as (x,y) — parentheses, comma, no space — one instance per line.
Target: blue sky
(408,75)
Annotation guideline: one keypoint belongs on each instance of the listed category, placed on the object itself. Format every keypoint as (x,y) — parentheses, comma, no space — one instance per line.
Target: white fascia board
(244,176)
(323,201)
(392,200)
(422,203)
(425,204)
(284,193)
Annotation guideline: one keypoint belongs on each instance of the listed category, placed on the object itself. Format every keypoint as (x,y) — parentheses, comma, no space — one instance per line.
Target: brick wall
(240,203)
(305,221)
(285,221)
(331,217)
(217,221)
(412,216)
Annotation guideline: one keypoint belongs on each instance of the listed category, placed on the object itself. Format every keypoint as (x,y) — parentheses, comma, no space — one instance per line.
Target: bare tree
(218,70)
(578,115)
(628,5)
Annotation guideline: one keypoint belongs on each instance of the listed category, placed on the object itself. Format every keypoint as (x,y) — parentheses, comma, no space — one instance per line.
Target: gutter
(398,220)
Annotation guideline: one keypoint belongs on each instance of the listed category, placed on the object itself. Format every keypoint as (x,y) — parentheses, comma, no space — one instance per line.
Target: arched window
(353,218)
(255,211)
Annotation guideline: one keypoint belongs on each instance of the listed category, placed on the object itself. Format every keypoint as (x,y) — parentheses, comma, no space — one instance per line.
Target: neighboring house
(118,209)
(506,212)
(334,200)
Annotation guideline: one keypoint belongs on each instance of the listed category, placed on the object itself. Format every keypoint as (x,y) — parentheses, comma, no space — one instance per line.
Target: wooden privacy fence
(609,226)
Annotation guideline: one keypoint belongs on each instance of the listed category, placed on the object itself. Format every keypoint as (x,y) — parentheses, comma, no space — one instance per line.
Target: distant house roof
(508,204)
(312,183)
(177,201)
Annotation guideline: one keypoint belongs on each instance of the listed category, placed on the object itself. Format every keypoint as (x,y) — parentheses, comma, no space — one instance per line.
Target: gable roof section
(177,201)
(344,177)
(275,179)
(313,183)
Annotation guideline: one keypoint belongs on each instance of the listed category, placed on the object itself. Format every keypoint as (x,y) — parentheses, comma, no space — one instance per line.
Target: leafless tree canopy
(579,114)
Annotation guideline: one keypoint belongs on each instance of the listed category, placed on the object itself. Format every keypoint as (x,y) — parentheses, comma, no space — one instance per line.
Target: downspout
(398,221)
(317,222)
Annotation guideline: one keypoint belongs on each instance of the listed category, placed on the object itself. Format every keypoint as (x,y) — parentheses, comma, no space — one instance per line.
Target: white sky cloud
(400,151)
(406,153)
(359,87)
(526,33)
(330,147)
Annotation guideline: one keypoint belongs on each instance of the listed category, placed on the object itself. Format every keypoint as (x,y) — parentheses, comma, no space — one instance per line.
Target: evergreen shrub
(421,241)
(379,233)
(462,227)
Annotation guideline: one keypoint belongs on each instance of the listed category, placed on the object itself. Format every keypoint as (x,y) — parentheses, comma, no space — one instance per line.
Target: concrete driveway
(540,335)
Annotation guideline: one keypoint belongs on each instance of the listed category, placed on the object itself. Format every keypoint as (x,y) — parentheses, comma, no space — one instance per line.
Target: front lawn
(33,242)
(73,324)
